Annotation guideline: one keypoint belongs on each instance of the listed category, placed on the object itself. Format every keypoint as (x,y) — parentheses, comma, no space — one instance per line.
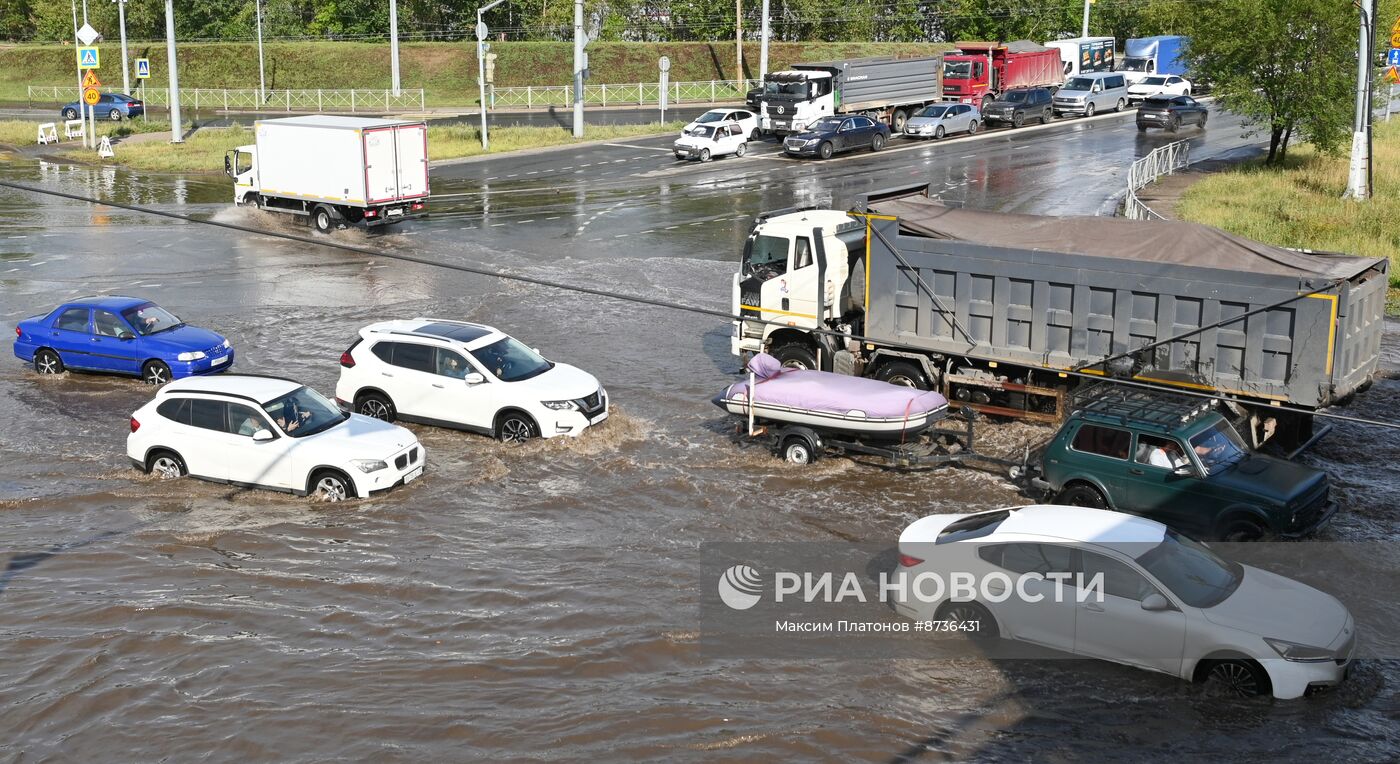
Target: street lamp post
(1084,31)
(176,136)
(121,20)
(394,43)
(82,110)
(262,80)
(1359,177)
(480,67)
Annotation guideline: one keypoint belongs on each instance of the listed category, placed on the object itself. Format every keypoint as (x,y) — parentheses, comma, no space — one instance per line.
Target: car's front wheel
(1237,678)
(1089,110)
(704,155)
(938,132)
(47,362)
(155,373)
(1018,119)
(377,406)
(328,485)
(515,427)
(165,465)
(826,150)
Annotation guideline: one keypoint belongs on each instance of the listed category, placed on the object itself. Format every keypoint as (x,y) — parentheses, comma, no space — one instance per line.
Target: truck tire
(897,122)
(322,218)
(904,373)
(826,150)
(795,355)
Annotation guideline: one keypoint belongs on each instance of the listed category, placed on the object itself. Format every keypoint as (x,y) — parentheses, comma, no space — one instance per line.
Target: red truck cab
(980,71)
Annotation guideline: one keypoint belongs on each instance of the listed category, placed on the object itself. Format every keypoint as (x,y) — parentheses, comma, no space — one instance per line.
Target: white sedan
(266,432)
(747,120)
(706,142)
(1162,601)
(1158,84)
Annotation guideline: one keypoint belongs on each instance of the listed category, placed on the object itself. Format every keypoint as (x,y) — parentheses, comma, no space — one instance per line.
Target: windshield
(711,116)
(304,412)
(766,257)
(957,70)
(1154,80)
(798,89)
(1014,96)
(511,361)
(701,131)
(1191,571)
(1079,83)
(1136,64)
(826,124)
(1219,447)
(932,111)
(150,318)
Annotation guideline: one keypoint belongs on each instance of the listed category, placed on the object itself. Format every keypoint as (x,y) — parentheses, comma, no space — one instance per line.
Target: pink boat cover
(833,393)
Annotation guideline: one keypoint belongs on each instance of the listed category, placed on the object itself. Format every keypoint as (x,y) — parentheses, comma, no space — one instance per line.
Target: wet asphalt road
(538,602)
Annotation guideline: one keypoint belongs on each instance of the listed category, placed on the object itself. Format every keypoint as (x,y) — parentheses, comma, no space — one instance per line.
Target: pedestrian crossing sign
(143,68)
(88,58)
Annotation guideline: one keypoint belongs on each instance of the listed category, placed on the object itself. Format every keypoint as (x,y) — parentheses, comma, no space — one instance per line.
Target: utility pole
(1084,30)
(121,21)
(82,109)
(480,66)
(578,68)
(1359,177)
(394,46)
(262,79)
(763,46)
(739,40)
(176,135)
(91,110)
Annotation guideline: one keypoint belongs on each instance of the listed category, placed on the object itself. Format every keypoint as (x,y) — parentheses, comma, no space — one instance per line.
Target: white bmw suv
(465,376)
(267,432)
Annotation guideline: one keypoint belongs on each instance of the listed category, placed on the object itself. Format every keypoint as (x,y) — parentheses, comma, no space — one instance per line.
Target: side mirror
(1155,603)
(228,165)
(262,435)
(126,336)
(474,378)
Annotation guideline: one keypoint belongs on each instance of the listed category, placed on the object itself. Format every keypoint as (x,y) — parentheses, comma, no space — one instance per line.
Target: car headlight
(811,141)
(560,405)
(227,345)
(1292,651)
(370,465)
(195,356)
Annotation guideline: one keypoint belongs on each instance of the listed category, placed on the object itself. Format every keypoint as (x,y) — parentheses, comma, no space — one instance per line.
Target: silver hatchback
(940,119)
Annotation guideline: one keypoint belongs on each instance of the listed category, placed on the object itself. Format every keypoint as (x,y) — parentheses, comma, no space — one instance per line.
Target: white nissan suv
(267,432)
(465,376)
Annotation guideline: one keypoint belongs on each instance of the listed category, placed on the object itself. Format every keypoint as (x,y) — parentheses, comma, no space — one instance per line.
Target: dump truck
(1145,56)
(978,72)
(886,89)
(334,171)
(1008,313)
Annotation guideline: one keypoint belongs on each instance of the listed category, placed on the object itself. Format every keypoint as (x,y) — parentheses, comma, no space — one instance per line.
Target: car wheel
(877,142)
(796,356)
(796,450)
(329,486)
(322,219)
(1119,106)
(376,406)
(1243,529)
(1173,123)
(165,465)
(755,134)
(70,113)
(1089,110)
(1141,127)
(1018,119)
(825,150)
(1237,678)
(741,150)
(1082,496)
(972,127)
(1046,116)
(515,427)
(704,155)
(155,373)
(115,115)
(1203,119)
(965,615)
(905,374)
(47,362)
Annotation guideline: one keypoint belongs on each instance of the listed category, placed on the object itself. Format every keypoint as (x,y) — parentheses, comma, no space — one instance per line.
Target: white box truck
(334,171)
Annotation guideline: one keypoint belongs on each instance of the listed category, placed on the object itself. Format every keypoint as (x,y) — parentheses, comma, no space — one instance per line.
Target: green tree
(1285,65)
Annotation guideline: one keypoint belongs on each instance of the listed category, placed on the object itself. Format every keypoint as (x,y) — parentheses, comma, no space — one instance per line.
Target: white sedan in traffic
(747,120)
(1158,84)
(1112,586)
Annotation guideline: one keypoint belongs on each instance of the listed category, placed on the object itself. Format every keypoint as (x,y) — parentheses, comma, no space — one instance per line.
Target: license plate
(395,212)
(219,360)
(411,476)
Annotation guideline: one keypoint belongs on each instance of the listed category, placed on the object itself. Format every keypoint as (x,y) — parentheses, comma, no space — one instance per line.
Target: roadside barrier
(1163,160)
(633,94)
(73,128)
(48,133)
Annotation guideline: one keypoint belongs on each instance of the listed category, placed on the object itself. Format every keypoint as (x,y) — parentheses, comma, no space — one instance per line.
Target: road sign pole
(176,134)
(262,78)
(578,68)
(126,71)
(481,66)
(665,66)
(80,69)
(394,44)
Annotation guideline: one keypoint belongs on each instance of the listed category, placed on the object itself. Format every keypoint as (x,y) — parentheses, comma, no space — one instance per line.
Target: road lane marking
(634,146)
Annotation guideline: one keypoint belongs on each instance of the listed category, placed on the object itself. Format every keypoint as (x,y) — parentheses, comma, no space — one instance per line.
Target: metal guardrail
(1163,160)
(636,94)
(351,100)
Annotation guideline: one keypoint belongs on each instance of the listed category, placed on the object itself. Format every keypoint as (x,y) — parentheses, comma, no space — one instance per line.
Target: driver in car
(292,416)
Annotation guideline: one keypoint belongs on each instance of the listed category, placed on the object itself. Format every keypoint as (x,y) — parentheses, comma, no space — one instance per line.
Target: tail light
(19,332)
(135,425)
(371,213)
(908,562)
(417,206)
(347,360)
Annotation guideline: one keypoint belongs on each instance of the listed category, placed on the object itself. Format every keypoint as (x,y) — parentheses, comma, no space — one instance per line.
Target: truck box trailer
(978,72)
(336,171)
(889,89)
(1009,312)
(1082,55)
(1145,56)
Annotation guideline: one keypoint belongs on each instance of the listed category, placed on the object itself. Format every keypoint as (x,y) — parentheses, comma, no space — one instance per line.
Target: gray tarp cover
(1160,241)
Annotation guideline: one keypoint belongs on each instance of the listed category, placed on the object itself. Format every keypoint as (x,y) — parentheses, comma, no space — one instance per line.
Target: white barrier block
(48,133)
(104,149)
(73,128)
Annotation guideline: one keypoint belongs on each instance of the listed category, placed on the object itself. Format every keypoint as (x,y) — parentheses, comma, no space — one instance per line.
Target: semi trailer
(1146,56)
(1008,313)
(334,171)
(885,89)
(978,72)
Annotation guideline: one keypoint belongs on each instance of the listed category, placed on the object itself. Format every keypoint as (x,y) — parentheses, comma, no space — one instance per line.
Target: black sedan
(1171,112)
(830,135)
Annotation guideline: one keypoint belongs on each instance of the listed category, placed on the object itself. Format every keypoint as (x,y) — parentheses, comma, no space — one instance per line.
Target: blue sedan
(111,106)
(120,335)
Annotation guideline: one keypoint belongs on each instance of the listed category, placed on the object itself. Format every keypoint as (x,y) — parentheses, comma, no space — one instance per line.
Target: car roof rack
(1121,404)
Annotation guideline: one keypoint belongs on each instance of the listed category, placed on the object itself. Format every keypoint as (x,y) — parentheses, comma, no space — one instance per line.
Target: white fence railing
(1163,160)
(634,94)
(248,98)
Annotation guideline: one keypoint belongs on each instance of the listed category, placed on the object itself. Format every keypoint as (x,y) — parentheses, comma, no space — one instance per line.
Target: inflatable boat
(833,403)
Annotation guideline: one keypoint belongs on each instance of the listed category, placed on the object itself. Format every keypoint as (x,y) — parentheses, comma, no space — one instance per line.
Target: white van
(1086,94)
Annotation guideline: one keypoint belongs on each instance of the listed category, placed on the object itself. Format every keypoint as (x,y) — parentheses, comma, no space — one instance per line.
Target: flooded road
(538,602)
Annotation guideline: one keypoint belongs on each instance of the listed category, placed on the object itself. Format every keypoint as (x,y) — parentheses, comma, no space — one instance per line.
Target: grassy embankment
(18,132)
(447,71)
(204,151)
(1301,205)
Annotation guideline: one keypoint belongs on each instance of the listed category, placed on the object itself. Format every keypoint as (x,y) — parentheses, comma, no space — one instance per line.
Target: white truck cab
(239,164)
(793,99)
